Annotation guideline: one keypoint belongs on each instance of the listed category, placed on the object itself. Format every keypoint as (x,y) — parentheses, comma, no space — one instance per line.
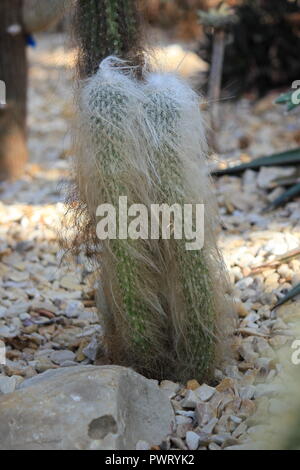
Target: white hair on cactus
(146,140)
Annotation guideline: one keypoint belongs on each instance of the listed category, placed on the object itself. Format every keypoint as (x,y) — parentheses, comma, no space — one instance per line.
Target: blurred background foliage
(262,46)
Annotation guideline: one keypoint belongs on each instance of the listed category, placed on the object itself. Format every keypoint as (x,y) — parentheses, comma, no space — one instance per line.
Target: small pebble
(59,357)
(192,440)
(7,384)
(205,392)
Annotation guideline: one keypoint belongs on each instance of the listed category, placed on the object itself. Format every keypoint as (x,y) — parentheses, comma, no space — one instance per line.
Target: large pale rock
(85,407)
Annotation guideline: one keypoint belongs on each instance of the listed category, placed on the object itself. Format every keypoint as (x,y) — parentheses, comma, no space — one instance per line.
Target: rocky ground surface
(47,312)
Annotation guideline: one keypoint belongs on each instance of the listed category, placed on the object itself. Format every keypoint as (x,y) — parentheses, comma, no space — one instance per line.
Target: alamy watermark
(2,93)
(181,222)
(295,99)
(295,358)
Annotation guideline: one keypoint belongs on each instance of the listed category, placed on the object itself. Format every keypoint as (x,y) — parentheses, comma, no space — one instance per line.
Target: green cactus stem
(106,27)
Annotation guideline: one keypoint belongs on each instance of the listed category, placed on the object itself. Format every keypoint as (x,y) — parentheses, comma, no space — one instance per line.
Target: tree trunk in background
(13,71)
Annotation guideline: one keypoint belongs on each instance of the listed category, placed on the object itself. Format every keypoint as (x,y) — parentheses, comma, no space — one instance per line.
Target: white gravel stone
(244,283)
(7,384)
(183,419)
(59,357)
(209,427)
(192,440)
(143,445)
(90,351)
(247,392)
(190,400)
(205,392)
(2,312)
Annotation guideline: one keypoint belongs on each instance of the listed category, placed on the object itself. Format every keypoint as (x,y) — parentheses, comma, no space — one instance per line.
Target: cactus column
(103,28)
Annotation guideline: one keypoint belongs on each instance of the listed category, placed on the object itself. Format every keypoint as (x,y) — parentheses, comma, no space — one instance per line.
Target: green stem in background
(106,27)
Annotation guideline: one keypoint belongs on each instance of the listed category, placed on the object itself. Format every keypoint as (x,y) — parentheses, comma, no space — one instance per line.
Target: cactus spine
(143,139)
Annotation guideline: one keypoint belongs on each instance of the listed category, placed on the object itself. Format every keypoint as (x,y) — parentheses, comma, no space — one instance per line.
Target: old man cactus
(140,135)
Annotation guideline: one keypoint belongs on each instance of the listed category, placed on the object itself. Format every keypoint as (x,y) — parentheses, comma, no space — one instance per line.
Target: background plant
(262,47)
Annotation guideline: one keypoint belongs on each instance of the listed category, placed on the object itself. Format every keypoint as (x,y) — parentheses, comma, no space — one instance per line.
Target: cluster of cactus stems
(162,300)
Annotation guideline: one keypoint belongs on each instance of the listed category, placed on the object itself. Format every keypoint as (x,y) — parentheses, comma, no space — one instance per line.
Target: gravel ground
(47,314)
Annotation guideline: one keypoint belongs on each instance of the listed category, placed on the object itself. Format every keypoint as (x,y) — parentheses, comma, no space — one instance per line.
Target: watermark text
(180,222)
